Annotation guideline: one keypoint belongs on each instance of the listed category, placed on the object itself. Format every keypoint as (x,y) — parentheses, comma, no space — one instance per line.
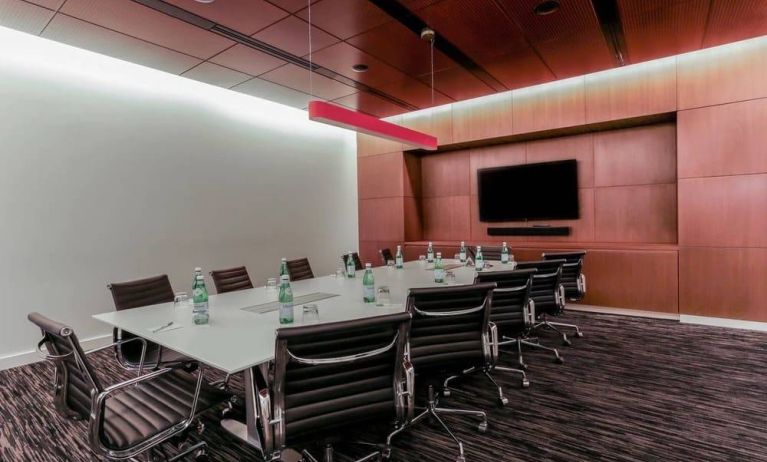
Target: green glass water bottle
(430,253)
(399,259)
(284,268)
(286,300)
(439,269)
(200,312)
(462,252)
(351,267)
(368,285)
(505,254)
(479,260)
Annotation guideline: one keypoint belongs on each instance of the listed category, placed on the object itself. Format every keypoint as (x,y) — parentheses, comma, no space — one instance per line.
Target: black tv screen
(543,191)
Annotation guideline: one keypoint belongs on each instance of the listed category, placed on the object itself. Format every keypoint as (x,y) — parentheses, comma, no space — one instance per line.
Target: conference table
(241,333)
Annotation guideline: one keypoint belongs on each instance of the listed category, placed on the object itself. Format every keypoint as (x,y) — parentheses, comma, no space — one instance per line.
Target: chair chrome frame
(96,417)
(271,406)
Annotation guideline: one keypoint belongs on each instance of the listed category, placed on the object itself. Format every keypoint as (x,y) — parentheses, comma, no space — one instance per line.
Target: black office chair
(134,294)
(357,262)
(386,255)
(549,297)
(573,278)
(130,418)
(512,310)
(451,333)
(231,279)
(300,269)
(492,253)
(334,375)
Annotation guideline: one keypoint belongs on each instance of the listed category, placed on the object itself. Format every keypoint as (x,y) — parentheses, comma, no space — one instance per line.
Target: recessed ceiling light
(204,1)
(360,68)
(546,7)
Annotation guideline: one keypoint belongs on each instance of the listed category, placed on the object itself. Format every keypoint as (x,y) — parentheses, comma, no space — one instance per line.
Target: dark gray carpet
(631,389)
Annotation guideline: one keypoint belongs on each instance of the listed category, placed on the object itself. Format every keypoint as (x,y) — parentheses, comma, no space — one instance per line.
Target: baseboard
(723,322)
(622,311)
(29,357)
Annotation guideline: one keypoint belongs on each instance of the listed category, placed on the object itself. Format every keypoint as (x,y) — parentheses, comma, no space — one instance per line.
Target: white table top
(236,339)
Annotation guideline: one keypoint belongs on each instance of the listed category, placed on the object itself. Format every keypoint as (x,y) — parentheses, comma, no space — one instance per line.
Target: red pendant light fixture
(339,116)
(331,114)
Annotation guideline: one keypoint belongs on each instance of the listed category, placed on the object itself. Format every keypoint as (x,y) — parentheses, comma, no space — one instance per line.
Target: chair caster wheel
(579,334)
(482,427)
(446,392)
(460,459)
(525,383)
(202,456)
(560,360)
(503,401)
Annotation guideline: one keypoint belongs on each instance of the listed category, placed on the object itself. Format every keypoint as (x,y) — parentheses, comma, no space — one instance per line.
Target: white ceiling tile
(216,75)
(273,92)
(142,22)
(94,38)
(23,16)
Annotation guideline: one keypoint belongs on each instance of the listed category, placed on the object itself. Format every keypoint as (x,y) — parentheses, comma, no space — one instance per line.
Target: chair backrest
(386,255)
(134,294)
(141,292)
(357,262)
(571,270)
(231,279)
(492,253)
(75,380)
(510,298)
(334,374)
(299,269)
(546,283)
(449,331)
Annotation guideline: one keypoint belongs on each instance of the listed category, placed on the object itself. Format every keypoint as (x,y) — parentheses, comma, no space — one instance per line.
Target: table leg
(248,431)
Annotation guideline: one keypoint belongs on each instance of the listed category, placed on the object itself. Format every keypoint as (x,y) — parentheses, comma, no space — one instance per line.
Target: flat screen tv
(543,191)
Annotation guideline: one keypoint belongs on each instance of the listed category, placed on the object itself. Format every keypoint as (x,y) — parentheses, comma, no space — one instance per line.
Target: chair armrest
(493,344)
(559,295)
(406,390)
(582,284)
(123,342)
(529,313)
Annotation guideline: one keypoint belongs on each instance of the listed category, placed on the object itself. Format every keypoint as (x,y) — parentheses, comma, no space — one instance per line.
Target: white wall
(111,171)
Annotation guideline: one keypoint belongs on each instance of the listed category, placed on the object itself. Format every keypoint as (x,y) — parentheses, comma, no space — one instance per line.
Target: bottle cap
(504,244)
(198,270)
(479,247)
(439,254)
(368,265)
(463,242)
(283,259)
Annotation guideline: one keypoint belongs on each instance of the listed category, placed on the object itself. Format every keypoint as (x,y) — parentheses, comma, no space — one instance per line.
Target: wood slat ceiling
(500,40)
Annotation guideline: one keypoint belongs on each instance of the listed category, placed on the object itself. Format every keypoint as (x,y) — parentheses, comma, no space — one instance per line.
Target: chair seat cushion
(140,412)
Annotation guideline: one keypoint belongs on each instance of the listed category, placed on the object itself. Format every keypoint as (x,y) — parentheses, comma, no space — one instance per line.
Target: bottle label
(369,294)
(430,256)
(504,258)
(462,256)
(479,264)
(439,275)
(286,313)
(399,262)
(200,307)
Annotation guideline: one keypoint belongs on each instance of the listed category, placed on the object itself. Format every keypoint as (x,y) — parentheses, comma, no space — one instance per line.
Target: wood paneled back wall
(674,215)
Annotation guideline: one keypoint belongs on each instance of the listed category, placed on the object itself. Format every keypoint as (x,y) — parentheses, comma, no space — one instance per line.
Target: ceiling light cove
(360,68)
(546,7)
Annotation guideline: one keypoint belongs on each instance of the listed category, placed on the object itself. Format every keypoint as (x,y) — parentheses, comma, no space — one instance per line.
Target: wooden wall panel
(445,174)
(727,211)
(494,156)
(641,214)
(580,147)
(481,118)
(723,283)
(631,91)
(446,218)
(381,219)
(380,175)
(736,72)
(436,121)
(641,279)
(412,174)
(582,230)
(413,220)
(727,139)
(635,156)
(552,105)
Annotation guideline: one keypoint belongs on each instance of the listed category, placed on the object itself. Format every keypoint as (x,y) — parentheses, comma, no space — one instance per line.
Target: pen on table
(154,331)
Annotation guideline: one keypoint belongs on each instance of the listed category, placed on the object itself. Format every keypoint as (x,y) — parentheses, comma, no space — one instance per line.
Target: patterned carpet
(631,389)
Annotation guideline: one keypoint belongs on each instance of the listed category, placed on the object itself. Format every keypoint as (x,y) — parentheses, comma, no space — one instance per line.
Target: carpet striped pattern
(633,389)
